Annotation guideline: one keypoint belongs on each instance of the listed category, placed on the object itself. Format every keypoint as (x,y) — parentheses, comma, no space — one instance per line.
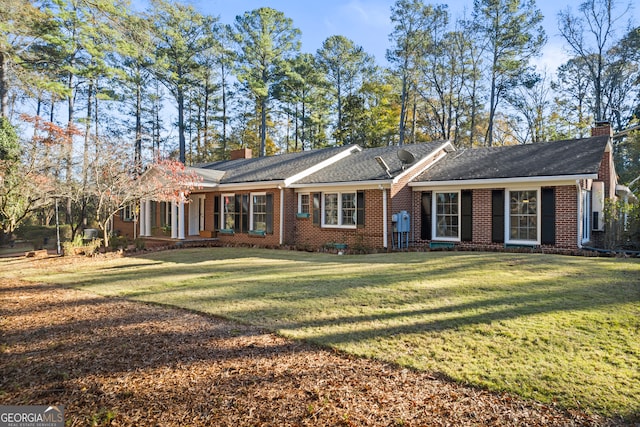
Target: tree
(513,34)
(181,35)
(267,40)
(371,114)
(26,182)
(346,66)
(599,19)
(116,185)
(573,99)
(412,22)
(303,93)
(22,25)
(531,101)
(226,57)
(134,59)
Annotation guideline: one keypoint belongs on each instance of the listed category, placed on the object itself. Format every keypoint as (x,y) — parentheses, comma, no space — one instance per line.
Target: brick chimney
(602,128)
(243,153)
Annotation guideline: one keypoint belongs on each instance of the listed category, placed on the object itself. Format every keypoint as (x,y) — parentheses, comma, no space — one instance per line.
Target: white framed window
(303,203)
(339,210)
(258,212)
(523,216)
(129,212)
(446,221)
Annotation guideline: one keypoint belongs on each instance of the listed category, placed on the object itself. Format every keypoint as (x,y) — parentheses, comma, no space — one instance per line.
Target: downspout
(385,231)
(580,216)
(281,215)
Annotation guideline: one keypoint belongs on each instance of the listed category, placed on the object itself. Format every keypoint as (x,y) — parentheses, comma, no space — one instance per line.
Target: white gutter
(281,216)
(361,185)
(580,216)
(492,182)
(261,185)
(385,231)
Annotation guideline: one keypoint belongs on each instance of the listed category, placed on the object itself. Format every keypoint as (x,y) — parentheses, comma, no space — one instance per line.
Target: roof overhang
(502,182)
(347,185)
(258,185)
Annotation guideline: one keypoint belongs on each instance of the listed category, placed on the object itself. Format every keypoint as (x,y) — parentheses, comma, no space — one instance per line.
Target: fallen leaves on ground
(116,362)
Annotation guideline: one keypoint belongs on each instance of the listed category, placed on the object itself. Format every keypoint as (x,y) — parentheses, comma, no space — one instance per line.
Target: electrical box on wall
(404,223)
(597,205)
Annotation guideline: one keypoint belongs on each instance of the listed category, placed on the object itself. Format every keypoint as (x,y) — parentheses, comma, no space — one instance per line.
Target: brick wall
(123,228)
(566,220)
(310,236)
(481,221)
(566,216)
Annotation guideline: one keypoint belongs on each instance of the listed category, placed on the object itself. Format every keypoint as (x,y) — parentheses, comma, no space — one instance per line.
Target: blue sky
(367,22)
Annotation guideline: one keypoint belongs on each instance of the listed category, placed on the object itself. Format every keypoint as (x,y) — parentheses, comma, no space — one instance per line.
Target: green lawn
(552,328)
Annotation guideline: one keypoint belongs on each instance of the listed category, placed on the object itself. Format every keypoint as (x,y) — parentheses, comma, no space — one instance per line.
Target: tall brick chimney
(243,153)
(602,128)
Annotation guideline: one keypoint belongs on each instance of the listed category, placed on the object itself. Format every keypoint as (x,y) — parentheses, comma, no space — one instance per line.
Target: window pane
(348,208)
(447,215)
(523,215)
(304,203)
(260,212)
(331,209)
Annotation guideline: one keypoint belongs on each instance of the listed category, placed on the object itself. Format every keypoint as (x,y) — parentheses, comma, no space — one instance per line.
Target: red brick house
(545,195)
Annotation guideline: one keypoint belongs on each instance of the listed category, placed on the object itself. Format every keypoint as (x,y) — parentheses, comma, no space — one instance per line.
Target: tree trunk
(138,147)
(181,139)
(4,87)
(263,126)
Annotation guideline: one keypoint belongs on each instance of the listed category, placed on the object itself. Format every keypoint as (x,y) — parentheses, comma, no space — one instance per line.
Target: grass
(551,328)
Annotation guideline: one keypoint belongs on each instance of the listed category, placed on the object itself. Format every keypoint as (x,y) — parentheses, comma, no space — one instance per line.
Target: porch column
(174,220)
(281,215)
(147,218)
(142,217)
(181,217)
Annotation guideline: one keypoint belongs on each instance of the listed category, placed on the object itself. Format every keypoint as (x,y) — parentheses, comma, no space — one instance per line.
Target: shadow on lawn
(75,337)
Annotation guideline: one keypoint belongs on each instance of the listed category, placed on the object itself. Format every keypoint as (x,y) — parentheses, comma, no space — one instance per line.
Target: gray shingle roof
(362,166)
(271,168)
(560,158)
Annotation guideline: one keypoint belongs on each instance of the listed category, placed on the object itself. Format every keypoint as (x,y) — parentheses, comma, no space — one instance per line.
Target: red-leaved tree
(115,184)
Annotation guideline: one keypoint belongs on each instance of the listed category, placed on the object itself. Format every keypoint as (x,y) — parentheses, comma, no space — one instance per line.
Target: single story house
(545,195)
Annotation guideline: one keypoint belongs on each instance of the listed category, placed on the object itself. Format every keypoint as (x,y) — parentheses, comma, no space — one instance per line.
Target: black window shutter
(269,225)
(216,212)
(548,208)
(360,209)
(497,216)
(425,219)
(316,209)
(245,213)
(466,228)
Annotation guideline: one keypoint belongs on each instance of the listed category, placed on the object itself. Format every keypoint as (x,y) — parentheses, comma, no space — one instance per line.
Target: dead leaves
(121,363)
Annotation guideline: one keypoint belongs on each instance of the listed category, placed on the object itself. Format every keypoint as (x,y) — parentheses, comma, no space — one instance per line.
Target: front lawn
(552,328)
